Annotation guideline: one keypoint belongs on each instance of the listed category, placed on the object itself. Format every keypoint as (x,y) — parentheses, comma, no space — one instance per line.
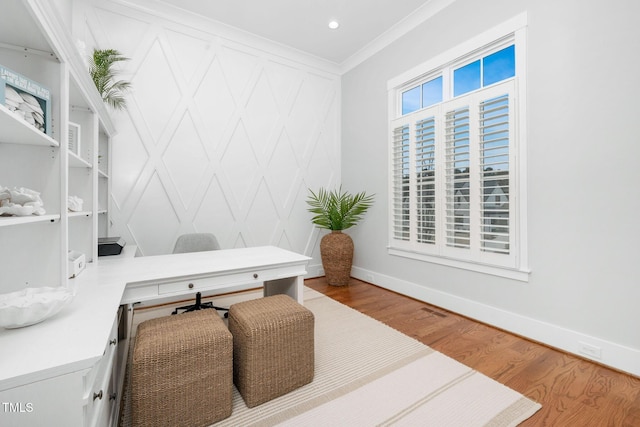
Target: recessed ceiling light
(333,24)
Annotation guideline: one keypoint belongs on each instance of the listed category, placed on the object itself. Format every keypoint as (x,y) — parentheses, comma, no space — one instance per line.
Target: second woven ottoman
(273,347)
(182,371)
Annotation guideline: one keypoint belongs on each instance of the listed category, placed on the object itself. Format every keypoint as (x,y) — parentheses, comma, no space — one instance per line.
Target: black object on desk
(110,245)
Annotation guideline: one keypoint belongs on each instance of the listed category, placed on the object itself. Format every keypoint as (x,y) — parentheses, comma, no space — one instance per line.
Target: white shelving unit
(21,220)
(32,247)
(17,131)
(35,42)
(104,184)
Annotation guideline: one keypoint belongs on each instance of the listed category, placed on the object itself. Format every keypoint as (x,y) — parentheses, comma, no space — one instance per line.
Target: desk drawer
(209,283)
(97,372)
(98,384)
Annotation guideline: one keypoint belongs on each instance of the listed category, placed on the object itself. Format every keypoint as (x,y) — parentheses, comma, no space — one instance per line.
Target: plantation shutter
(400,183)
(457,178)
(425,154)
(494,140)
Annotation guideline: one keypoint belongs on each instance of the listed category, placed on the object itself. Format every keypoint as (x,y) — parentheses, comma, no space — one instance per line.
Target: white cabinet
(99,395)
(55,401)
(83,398)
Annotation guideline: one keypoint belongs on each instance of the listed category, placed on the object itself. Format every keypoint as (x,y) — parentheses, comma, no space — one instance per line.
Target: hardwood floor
(572,391)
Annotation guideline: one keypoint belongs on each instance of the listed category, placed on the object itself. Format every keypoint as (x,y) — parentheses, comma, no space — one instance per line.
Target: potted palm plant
(337,210)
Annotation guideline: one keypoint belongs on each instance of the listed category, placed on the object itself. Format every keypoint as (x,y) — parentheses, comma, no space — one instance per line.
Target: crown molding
(172,13)
(198,22)
(419,16)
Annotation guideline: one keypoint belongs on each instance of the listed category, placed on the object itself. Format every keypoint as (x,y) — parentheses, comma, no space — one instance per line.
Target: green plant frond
(337,209)
(115,100)
(319,205)
(103,75)
(105,58)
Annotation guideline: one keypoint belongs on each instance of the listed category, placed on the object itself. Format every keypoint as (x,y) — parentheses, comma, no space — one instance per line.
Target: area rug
(368,374)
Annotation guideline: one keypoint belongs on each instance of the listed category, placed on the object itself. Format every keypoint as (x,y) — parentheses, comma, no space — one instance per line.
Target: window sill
(521,275)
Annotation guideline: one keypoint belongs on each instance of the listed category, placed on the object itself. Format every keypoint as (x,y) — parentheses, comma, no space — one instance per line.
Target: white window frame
(512,31)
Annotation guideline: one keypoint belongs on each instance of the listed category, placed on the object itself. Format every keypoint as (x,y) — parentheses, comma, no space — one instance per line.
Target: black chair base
(199,305)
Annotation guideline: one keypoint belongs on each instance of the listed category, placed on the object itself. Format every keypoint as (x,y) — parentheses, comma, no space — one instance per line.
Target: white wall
(224,131)
(583,200)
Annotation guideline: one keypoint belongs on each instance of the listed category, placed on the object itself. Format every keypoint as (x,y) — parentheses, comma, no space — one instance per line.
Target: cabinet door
(53,402)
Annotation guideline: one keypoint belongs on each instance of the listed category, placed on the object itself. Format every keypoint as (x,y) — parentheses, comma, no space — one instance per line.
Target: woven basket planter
(336,251)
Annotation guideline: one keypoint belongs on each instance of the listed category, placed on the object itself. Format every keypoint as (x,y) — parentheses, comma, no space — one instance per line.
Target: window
(421,96)
(411,100)
(457,173)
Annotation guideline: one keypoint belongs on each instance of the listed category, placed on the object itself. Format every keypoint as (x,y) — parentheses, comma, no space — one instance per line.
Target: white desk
(74,340)
(182,275)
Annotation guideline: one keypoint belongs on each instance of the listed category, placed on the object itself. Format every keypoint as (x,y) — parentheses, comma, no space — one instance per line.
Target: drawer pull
(190,285)
(255,275)
(97,395)
(113,396)
(113,342)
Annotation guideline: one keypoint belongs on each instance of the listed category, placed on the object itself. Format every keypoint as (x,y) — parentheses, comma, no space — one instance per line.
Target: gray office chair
(197,242)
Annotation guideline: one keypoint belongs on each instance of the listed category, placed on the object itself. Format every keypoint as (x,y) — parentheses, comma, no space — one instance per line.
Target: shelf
(102,174)
(77,162)
(81,213)
(19,220)
(102,212)
(17,131)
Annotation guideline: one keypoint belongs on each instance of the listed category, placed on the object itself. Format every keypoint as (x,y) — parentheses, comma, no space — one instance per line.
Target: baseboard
(314,270)
(607,353)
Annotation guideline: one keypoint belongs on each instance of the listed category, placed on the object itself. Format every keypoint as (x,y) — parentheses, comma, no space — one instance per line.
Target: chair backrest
(196,242)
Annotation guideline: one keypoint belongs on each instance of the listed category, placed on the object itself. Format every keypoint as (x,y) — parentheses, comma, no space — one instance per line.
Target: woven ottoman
(273,347)
(182,371)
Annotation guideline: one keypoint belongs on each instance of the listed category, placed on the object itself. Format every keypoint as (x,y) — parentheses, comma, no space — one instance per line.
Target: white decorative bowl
(32,305)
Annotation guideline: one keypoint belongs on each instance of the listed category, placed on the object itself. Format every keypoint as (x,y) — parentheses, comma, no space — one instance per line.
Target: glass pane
(411,100)
(467,78)
(432,92)
(499,66)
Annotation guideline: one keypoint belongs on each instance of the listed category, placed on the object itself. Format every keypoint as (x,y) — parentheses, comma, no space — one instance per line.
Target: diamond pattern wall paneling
(261,115)
(157,93)
(220,136)
(215,104)
(186,148)
(239,167)
(214,214)
(132,158)
(189,51)
(153,209)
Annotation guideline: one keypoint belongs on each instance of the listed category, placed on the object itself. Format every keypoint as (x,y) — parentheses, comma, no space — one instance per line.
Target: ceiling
(303,24)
